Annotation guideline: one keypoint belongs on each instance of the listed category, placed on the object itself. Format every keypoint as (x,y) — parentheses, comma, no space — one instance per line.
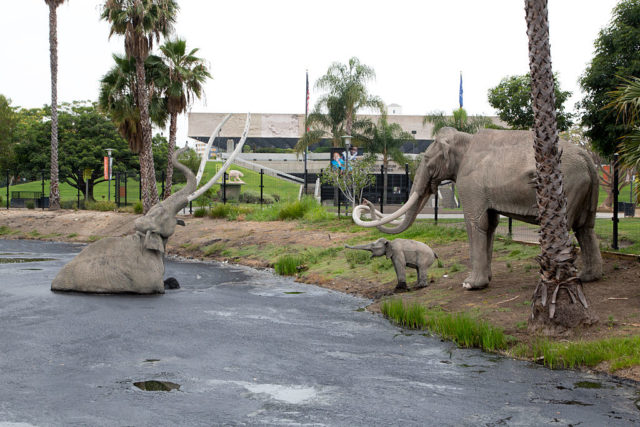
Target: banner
(106,167)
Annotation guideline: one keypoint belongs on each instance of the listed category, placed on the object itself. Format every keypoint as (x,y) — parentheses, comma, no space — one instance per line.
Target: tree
(558,301)
(8,123)
(459,120)
(616,54)
(353,183)
(54,190)
(387,139)
(141,22)
(182,82)
(512,98)
(576,136)
(117,99)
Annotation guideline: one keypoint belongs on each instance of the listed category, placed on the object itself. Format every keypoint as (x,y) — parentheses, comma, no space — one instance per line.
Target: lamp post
(109,150)
(347,145)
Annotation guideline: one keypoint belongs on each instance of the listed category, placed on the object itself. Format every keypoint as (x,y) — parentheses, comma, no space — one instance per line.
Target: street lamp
(109,150)
(347,145)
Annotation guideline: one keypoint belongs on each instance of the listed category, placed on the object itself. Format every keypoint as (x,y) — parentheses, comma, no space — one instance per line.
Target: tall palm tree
(54,189)
(141,22)
(347,83)
(118,98)
(331,125)
(558,301)
(182,82)
(387,138)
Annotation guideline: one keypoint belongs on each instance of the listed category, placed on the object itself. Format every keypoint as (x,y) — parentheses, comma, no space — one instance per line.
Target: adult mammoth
(135,263)
(495,173)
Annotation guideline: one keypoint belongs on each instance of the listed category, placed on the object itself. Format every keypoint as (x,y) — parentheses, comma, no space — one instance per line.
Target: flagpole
(306,149)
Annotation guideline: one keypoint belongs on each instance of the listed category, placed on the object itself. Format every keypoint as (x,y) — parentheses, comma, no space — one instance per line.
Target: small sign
(86,174)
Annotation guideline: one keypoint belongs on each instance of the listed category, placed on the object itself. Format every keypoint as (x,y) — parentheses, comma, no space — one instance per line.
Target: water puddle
(151,360)
(154,385)
(587,384)
(21,260)
(30,269)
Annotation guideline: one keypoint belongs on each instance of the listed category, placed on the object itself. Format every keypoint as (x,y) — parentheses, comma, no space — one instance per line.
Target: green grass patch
(620,352)
(4,230)
(288,265)
(356,257)
(72,235)
(461,328)
(93,238)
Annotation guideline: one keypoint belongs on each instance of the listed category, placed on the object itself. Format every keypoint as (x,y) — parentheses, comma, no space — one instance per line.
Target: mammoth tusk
(207,150)
(226,164)
(385,219)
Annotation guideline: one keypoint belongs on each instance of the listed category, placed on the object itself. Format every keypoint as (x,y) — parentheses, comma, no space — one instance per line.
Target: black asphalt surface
(247,351)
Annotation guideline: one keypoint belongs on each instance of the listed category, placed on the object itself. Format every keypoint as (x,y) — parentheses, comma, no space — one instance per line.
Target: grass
(620,352)
(288,265)
(461,328)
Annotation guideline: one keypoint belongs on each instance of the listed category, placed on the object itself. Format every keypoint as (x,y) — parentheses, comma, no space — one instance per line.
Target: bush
(200,212)
(249,196)
(299,209)
(71,204)
(355,257)
(102,206)
(30,204)
(137,207)
(288,265)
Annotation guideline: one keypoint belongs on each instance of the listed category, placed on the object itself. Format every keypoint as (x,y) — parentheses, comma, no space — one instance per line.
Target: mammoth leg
(399,264)
(481,232)
(422,276)
(590,252)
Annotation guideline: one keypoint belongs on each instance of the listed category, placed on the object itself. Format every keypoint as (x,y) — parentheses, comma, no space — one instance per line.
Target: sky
(258,50)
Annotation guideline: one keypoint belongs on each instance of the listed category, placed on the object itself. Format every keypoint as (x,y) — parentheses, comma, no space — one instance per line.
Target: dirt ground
(505,303)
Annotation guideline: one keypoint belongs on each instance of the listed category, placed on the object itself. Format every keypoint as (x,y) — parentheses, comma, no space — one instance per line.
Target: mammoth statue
(135,263)
(403,253)
(495,173)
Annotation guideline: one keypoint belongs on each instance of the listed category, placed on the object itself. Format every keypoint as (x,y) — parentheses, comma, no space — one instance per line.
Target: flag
(306,107)
(460,94)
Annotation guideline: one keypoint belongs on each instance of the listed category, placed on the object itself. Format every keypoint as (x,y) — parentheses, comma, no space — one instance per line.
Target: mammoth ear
(153,241)
(388,250)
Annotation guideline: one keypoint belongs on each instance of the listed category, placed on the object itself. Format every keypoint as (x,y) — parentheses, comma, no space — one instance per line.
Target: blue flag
(460,95)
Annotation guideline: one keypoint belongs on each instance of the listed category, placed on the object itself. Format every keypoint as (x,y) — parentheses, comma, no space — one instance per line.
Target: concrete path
(249,348)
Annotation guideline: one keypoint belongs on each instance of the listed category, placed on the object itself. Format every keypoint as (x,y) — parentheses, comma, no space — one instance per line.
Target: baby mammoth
(403,253)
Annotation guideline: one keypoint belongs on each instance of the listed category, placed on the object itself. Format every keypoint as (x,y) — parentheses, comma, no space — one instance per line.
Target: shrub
(249,196)
(221,211)
(137,207)
(200,212)
(71,204)
(102,206)
(30,204)
(288,265)
(293,210)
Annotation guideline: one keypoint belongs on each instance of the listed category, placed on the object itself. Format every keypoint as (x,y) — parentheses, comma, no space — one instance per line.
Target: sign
(86,174)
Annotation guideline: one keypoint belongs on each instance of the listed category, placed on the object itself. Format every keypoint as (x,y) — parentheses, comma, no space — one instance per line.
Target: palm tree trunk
(385,178)
(172,146)
(147,169)
(558,301)
(54,190)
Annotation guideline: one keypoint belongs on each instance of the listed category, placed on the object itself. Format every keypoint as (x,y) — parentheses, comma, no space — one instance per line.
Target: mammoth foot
(590,275)
(475,282)
(401,287)
(421,285)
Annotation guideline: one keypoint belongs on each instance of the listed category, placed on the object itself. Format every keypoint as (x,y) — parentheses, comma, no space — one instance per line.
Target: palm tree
(141,22)
(558,301)
(182,82)
(347,83)
(626,101)
(459,120)
(118,98)
(387,138)
(331,125)
(54,189)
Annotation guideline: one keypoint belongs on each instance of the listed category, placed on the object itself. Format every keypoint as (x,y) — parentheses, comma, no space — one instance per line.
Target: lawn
(287,191)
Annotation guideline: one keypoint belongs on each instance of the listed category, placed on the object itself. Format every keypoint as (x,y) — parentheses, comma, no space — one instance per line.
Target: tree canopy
(458,120)
(512,98)
(616,55)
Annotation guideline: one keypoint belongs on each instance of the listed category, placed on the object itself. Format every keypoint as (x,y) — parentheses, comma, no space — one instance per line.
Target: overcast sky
(258,50)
